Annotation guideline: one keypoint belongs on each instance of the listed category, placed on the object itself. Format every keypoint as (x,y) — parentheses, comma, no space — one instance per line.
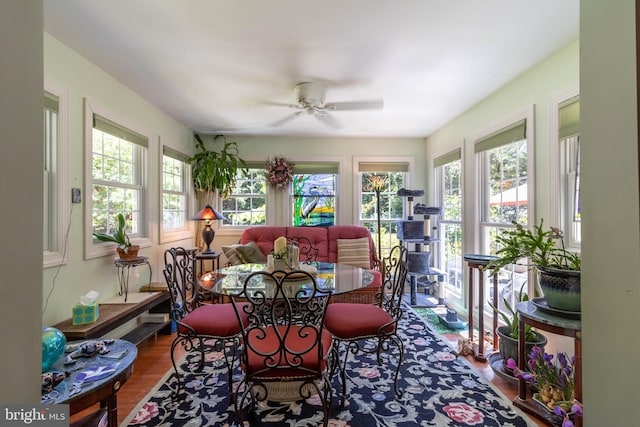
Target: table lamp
(209,215)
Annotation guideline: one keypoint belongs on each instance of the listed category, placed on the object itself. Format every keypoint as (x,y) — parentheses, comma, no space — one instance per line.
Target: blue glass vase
(53,344)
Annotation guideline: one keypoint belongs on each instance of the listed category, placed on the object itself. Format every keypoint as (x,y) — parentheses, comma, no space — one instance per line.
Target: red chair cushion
(217,320)
(269,344)
(351,320)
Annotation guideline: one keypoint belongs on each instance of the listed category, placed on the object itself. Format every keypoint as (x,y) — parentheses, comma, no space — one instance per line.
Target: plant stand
(530,315)
(123,266)
(479,262)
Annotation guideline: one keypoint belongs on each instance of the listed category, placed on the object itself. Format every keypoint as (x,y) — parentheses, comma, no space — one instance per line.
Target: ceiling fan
(311,101)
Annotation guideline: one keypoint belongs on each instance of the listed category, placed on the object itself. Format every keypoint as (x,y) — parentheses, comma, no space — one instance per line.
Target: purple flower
(511,364)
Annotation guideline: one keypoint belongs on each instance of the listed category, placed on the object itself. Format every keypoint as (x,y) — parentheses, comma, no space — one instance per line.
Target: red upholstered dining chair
(286,352)
(200,327)
(352,324)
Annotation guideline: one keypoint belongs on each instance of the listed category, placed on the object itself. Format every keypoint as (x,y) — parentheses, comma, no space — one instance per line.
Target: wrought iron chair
(200,327)
(286,350)
(308,253)
(352,324)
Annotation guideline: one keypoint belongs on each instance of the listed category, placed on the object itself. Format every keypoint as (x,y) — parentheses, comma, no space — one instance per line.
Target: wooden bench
(114,313)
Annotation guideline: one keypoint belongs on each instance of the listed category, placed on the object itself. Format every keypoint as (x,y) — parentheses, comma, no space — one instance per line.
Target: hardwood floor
(154,361)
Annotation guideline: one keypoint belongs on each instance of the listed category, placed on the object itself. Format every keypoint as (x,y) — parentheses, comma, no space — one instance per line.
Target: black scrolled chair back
(308,253)
(180,275)
(284,340)
(394,279)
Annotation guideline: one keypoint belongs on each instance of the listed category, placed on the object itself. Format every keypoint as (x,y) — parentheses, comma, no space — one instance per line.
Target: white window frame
(357,187)
(251,166)
(559,189)
(58,186)
(173,234)
(482,228)
(94,249)
(451,291)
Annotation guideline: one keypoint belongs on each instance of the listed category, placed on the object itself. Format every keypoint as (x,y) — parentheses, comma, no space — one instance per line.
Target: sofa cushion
(349,232)
(317,236)
(354,252)
(251,253)
(232,254)
(264,236)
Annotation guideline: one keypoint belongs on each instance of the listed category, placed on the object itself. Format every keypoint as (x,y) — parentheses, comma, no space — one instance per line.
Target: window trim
(476,198)
(59,255)
(555,194)
(236,230)
(187,232)
(98,249)
(220,226)
(357,160)
(440,160)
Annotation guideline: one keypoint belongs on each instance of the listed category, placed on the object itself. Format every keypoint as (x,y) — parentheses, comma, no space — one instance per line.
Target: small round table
(479,263)
(104,375)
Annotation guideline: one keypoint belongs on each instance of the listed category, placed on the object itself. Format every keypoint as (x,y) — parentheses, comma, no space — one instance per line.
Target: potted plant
(509,332)
(125,249)
(215,171)
(554,382)
(558,268)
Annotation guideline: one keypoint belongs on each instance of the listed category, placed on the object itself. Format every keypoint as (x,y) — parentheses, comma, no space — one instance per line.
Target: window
(175,195)
(448,172)
(117,162)
(56,192)
(391,205)
(504,183)
(247,205)
(569,159)
(313,194)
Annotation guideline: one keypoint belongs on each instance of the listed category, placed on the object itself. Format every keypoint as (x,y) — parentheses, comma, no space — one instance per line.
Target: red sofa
(325,239)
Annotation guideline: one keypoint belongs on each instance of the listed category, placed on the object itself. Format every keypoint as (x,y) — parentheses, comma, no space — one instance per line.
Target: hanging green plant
(215,171)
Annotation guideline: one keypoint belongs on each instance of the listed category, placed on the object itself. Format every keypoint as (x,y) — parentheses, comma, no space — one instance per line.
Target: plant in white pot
(558,268)
(125,249)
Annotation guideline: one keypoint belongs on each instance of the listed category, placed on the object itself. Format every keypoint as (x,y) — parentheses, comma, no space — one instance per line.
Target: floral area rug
(440,389)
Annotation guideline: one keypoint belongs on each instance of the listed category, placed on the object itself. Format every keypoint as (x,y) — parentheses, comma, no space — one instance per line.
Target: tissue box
(83,314)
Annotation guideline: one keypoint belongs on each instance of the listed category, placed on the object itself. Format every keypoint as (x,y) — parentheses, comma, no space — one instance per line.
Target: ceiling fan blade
(285,119)
(328,120)
(281,104)
(374,104)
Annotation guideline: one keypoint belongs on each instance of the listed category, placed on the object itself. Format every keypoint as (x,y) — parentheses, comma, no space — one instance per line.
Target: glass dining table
(334,277)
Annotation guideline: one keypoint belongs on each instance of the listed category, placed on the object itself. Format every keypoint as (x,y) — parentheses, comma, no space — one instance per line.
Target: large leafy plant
(540,246)
(215,171)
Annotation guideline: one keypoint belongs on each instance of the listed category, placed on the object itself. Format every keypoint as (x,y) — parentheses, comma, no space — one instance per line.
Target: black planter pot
(508,347)
(561,288)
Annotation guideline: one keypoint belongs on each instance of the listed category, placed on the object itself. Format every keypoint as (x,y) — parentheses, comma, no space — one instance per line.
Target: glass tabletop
(337,278)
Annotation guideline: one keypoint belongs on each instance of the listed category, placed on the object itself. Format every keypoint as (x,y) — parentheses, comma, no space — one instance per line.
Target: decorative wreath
(279,172)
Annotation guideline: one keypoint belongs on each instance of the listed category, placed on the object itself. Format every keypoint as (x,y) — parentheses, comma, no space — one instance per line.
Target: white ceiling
(214,65)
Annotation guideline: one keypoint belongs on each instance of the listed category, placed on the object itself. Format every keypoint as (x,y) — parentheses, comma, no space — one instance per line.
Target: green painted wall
(82,79)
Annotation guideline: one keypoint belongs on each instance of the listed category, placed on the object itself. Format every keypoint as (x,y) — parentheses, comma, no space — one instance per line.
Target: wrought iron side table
(124,267)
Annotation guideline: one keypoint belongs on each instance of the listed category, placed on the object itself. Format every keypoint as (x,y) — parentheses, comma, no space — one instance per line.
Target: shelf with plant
(543,249)
(554,381)
(120,237)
